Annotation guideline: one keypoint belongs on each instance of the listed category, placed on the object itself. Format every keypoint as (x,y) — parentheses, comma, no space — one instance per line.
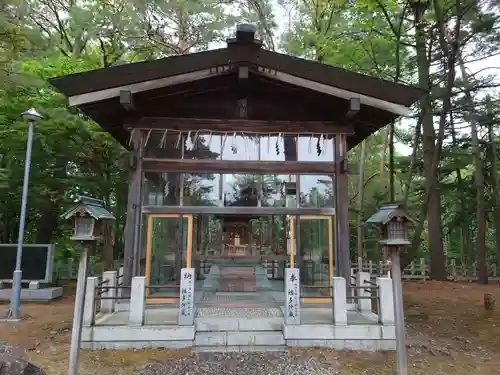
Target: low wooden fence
(419,270)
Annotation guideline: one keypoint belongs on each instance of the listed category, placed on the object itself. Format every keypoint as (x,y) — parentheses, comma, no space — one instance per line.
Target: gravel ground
(242,363)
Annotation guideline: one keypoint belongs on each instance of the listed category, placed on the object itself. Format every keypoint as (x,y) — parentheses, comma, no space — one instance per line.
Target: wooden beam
(243,72)
(127,100)
(255,258)
(244,211)
(243,125)
(238,166)
(354,108)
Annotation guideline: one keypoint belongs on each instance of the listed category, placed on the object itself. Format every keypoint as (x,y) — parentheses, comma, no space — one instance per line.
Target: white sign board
(292,296)
(186,303)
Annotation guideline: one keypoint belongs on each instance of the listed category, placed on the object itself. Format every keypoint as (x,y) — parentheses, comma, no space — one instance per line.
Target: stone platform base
(142,337)
(226,329)
(350,337)
(42,294)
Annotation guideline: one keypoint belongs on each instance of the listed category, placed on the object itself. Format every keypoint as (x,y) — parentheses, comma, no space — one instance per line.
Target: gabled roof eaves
(97,212)
(106,78)
(386,213)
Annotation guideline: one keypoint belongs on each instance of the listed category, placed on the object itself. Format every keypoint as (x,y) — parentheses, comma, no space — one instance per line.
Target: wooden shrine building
(195,124)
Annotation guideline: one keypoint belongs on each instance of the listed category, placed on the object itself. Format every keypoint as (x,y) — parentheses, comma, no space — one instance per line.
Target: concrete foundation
(350,337)
(238,329)
(42,294)
(241,321)
(142,337)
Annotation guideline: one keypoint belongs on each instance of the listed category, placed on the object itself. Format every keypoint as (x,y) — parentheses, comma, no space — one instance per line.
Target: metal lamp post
(32,116)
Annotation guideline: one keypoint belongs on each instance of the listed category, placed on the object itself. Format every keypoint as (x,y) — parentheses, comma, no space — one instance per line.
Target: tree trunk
(478,178)
(413,161)
(47,224)
(432,201)
(466,243)
(495,194)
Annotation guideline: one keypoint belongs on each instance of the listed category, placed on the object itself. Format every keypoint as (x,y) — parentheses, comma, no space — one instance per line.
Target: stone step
(221,324)
(239,338)
(242,348)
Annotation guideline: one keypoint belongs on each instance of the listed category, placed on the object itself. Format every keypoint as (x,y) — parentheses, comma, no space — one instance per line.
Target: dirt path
(449,332)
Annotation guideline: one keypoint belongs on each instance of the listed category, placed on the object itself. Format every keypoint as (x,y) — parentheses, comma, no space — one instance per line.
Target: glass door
(169,244)
(312,252)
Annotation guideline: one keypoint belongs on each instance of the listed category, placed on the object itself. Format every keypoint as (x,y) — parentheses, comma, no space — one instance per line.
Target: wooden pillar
(271,242)
(134,188)
(138,207)
(284,234)
(197,249)
(274,251)
(342,209)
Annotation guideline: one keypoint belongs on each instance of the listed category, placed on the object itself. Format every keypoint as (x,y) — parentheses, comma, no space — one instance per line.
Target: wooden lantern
(90,218)
(393,221)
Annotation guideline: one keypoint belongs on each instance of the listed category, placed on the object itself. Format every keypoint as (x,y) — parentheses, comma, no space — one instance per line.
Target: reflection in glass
(168,255)
(175,145)
(161,189)
(239,147)
(242,189)
(164,189)
(208,146)
(246,190)
(191,145)
(272,149)
(315,243)
(316,191)
(316,148)
(201,189)
(163,146)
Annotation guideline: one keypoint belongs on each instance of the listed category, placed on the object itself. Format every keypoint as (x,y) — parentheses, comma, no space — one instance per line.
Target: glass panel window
(316,148)
(239,189)
(315,248)
(163,145)
(204,146)
(167,255)
(161,189)
(201,189)
(272,149)
(175,145)
(316,191)
(240,147)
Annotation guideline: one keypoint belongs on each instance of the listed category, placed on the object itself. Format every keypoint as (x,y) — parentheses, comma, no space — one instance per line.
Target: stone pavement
(237,279)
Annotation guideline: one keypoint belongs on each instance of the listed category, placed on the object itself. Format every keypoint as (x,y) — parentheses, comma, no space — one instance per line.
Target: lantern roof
(90,206)
(389,212)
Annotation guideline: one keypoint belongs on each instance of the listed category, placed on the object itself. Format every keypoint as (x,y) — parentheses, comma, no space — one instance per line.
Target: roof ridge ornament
(245,34)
